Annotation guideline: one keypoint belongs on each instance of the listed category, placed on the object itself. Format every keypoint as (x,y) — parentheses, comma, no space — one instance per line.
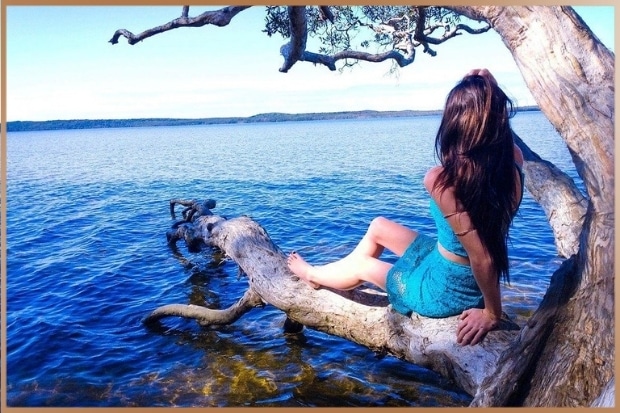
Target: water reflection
(291,373)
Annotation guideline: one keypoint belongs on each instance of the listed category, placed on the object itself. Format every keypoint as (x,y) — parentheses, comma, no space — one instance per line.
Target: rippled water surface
(87,260)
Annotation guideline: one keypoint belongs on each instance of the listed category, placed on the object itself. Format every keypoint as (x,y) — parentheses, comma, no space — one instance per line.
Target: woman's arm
(474,323)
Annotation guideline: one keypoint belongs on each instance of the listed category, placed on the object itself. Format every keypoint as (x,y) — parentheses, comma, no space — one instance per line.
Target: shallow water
(87,260)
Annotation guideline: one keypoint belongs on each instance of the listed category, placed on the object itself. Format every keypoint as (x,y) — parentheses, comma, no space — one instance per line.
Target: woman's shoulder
(518,156)
(443,197)
(431,177)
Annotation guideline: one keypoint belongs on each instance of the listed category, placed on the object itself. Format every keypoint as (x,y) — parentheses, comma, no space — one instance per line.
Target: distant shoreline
(24,126)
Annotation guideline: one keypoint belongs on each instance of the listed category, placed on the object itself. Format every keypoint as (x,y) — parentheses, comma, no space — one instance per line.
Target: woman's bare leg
(383,233)
(362,264)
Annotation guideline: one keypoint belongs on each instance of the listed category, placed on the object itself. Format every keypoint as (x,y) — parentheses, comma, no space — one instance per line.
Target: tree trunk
(571,76)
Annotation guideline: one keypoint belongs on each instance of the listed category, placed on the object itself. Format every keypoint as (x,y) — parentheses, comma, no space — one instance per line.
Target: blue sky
(60,66)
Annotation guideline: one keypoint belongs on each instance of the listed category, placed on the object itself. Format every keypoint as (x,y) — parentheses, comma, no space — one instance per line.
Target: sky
(60,65)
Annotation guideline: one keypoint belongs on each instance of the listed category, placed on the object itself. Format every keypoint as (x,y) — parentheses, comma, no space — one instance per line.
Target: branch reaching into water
(205,316)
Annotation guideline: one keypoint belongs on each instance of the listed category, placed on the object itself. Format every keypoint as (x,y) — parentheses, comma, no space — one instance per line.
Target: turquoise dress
(425,282)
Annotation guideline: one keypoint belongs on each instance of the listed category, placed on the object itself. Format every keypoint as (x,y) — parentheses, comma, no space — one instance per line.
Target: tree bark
(607,397)
(295,48)
(571,76)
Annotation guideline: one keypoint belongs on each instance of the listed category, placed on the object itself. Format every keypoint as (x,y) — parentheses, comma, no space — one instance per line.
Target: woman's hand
(474,324)
(482,72)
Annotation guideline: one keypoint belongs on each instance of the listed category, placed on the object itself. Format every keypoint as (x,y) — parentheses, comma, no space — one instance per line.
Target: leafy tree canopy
(344,35)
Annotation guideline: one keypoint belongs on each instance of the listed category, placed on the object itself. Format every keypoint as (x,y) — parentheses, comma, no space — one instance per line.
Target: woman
(474,194)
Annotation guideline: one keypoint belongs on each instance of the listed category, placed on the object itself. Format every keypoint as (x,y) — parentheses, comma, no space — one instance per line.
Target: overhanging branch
(422,33)
(295,48)
(221,17)
(330,61)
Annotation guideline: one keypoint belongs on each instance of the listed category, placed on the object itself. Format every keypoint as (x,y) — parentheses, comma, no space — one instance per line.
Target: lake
(87,260)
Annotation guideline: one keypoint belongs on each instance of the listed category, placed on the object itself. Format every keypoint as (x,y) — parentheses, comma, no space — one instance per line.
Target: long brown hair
(475,146)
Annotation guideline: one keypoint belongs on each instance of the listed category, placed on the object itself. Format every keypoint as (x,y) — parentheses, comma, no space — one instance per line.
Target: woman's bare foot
(300,268)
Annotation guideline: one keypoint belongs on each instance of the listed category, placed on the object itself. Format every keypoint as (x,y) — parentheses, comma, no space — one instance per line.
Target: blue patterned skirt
(425,282)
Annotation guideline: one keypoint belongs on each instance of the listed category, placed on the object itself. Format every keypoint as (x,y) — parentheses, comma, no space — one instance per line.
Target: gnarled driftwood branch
(363,315)
(207,316)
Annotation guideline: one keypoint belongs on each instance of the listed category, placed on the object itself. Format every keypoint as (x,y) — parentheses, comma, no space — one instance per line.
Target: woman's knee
(391,235)
(380,229)
(379,224)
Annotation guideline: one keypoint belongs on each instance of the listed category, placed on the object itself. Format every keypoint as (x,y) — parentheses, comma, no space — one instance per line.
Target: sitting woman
(474,194)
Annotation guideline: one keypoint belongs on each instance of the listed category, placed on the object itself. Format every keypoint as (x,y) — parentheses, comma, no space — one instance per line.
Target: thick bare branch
(295,48)
(563,203)
(362,315)
(330,61)
(193,209)
(205,316)
(418,34)
(221,17)
(326,13)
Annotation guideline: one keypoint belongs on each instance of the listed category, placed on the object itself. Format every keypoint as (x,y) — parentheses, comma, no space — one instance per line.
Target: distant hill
(20,126)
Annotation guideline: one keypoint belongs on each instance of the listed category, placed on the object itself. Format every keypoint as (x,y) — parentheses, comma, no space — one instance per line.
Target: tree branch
(193,209)
(401,60)
(295,48)
(205,316)
(449,34)
(361,315)
(221,17)
(419,35)
(422,33)
(563,203)
(326,13)
(330,61)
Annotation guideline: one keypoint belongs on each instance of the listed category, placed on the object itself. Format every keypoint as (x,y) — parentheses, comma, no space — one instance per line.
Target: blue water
(87,260)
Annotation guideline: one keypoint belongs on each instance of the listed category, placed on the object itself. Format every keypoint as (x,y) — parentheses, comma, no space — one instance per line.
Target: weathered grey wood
(298,26)
(207,316)
(564,205)
(221,17)
(500,386)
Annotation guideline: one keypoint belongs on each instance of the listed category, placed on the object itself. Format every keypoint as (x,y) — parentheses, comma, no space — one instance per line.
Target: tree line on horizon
(25,126)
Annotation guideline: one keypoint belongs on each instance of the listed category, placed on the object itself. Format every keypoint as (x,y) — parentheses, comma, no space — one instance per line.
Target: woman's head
(475,146)
(475,118)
